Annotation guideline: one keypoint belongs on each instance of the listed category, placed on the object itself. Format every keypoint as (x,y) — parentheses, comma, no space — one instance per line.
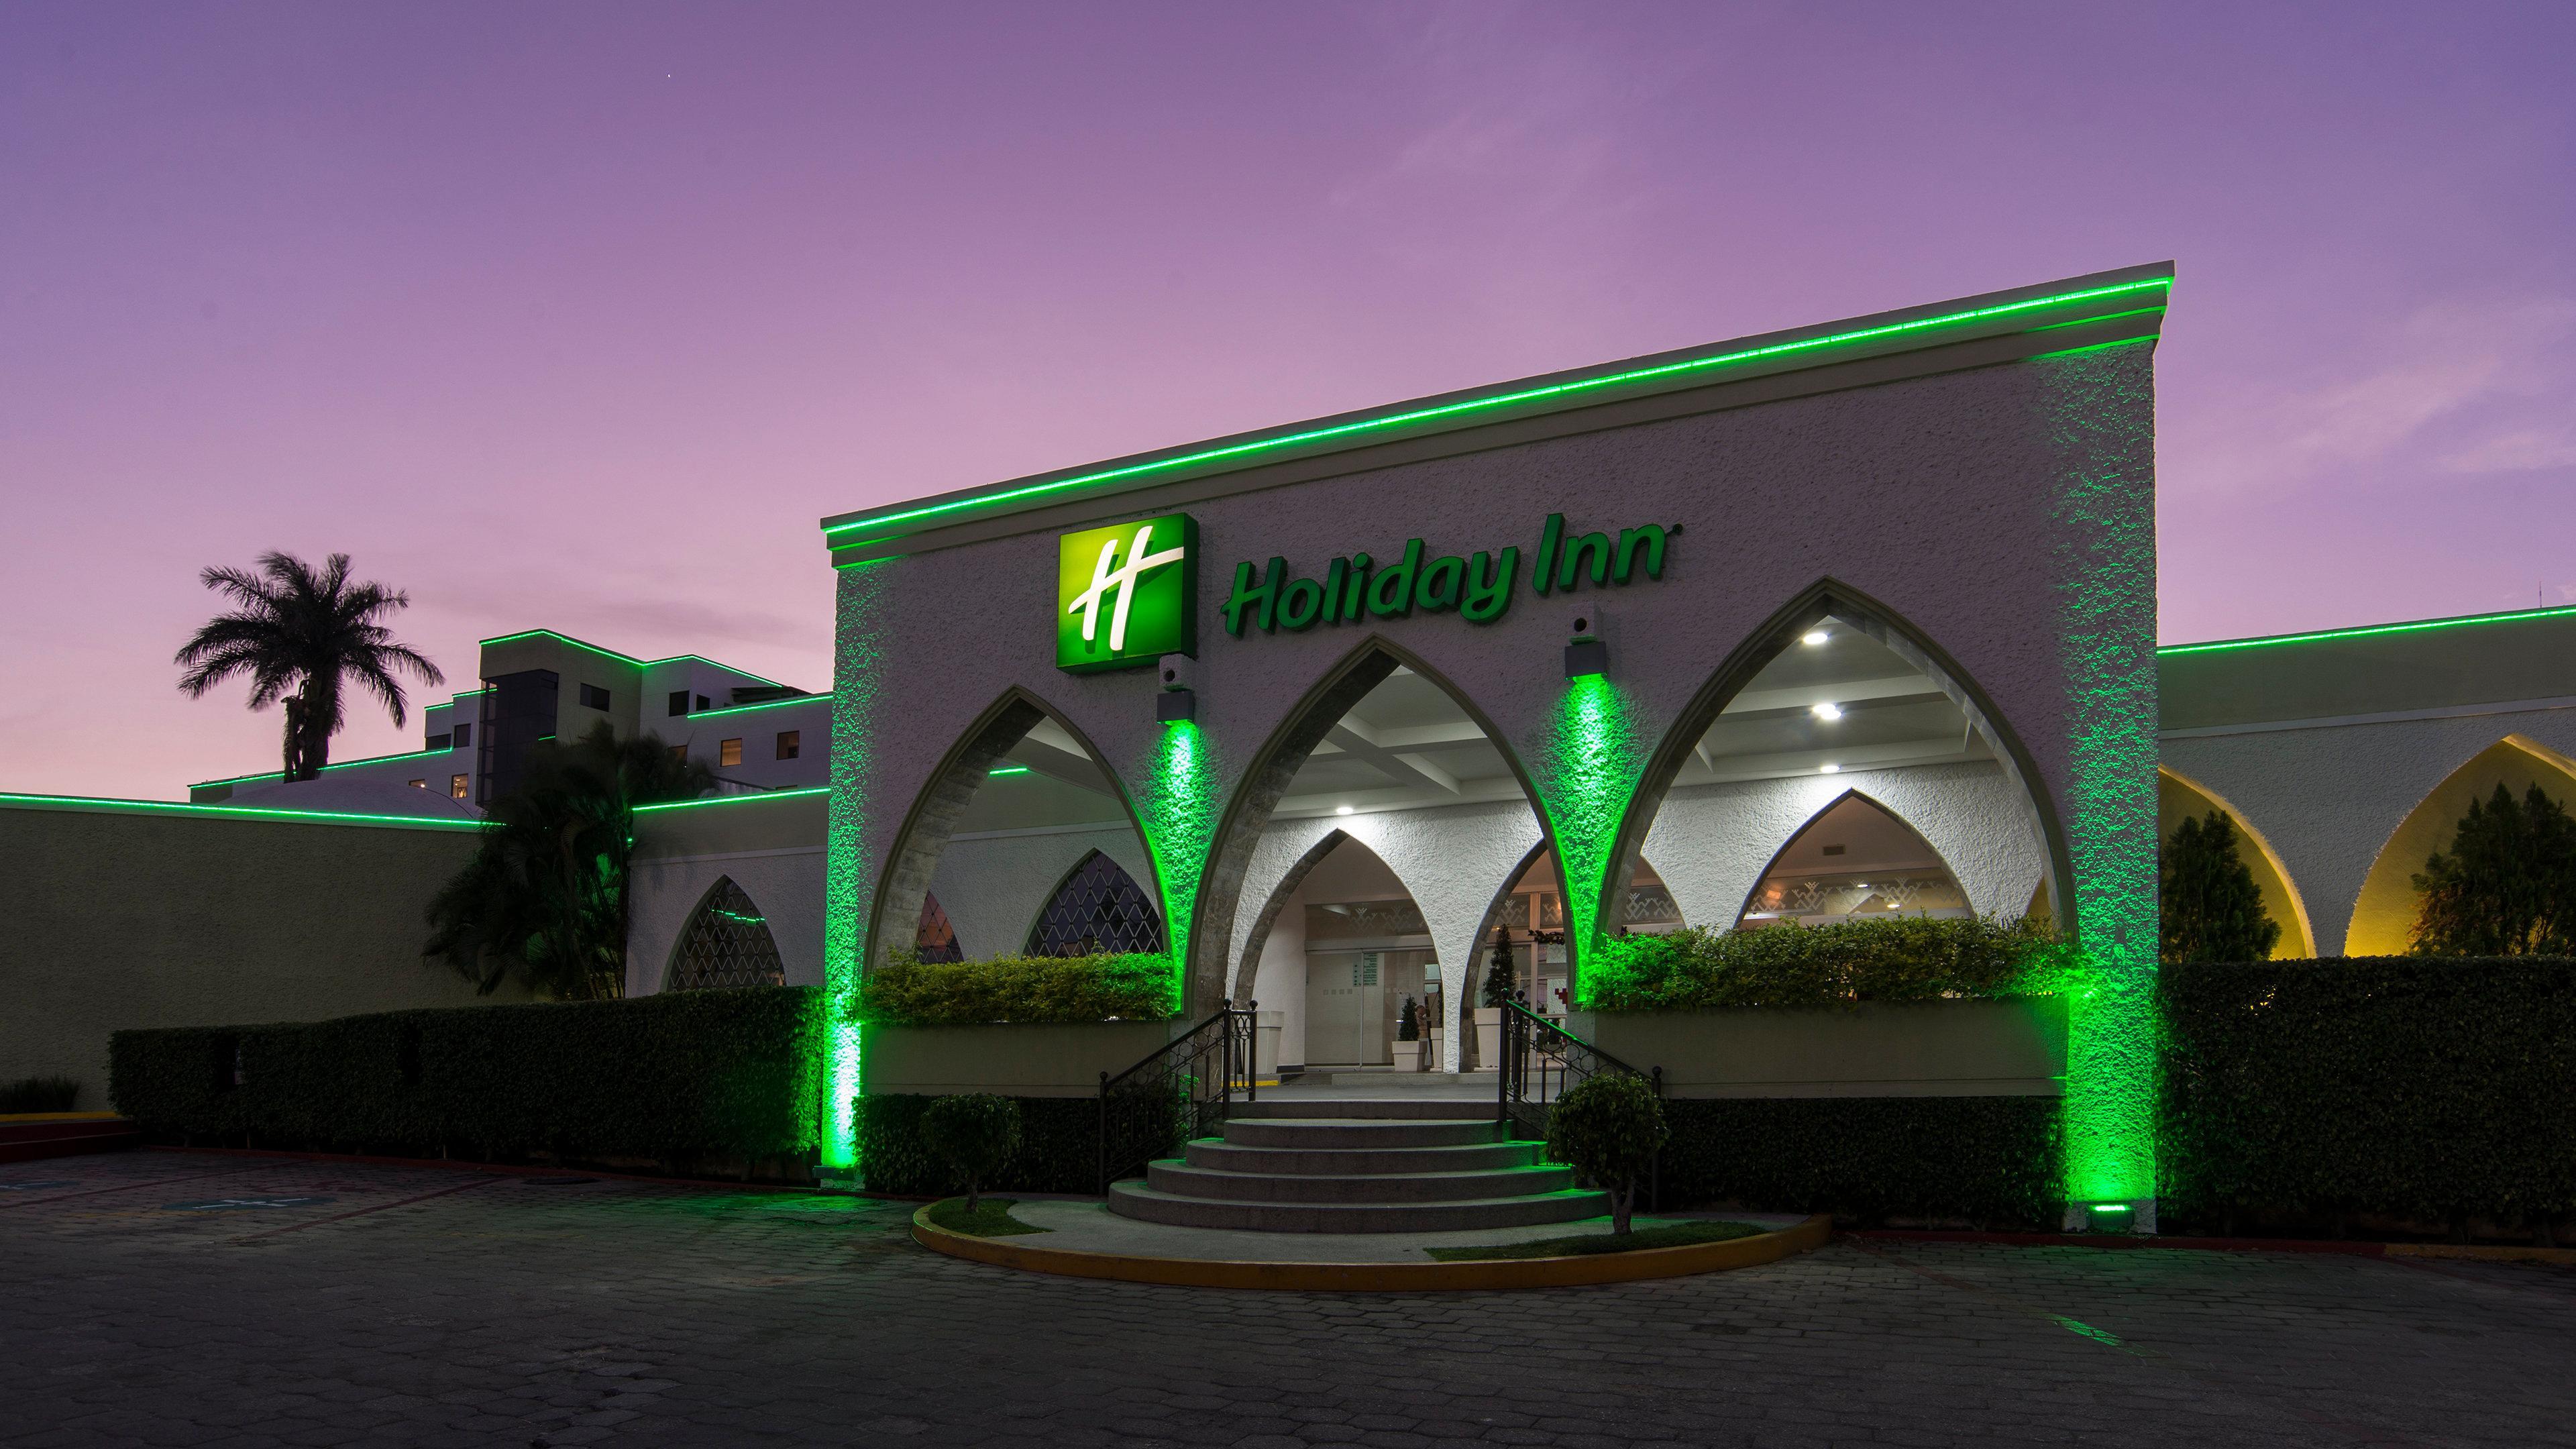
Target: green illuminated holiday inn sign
(1125,594)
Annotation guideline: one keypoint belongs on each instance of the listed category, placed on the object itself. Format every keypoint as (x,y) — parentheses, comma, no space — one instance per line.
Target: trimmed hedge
(2412,1087)
(1899,958)
(685,1074)
(1024,989)
(1993,1161)
(1059,1148)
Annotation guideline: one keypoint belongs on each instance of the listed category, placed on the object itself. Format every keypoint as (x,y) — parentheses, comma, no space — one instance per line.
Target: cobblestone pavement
(158,1298)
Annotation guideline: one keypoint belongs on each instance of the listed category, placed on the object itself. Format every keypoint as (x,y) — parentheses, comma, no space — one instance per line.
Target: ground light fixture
(1828,710)
(2109,1217)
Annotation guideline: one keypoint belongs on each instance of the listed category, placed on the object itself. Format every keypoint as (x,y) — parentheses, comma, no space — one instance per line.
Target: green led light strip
(764,704)
(732,799)
(2415,626)
(326,769)
(1497,400)
(622,658)
(1007,770)
(165,807)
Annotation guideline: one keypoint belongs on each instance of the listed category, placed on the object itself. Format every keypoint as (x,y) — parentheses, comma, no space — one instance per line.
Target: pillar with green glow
(849,879)
(2100,407)
(1593,755)
(1178,810)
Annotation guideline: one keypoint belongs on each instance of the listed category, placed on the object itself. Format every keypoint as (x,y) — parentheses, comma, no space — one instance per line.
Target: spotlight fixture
(1814,637)
(1585,653)
(1828,710)
(1829,769)
(1178,701)
(1341,810)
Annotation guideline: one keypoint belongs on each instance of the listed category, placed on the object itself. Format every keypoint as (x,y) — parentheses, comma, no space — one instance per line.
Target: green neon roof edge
(2411,626)
(181,807)
(1491,400)
(764,704)
(562,637)
(733,799)
(326,769)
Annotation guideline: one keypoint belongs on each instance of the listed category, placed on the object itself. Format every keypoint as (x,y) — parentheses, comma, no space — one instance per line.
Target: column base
(2134,1215)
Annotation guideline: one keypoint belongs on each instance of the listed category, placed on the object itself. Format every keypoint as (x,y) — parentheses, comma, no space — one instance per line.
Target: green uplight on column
(1179,816)
(849,883)
(1594,774)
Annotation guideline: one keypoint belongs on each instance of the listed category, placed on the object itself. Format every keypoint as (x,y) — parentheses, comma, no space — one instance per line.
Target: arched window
(1854,861)
(935,939)
(1099,908)
(727,944)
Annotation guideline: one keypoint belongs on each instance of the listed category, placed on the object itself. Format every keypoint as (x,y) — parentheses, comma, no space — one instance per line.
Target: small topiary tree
(2507,885)
(1408,1026)
(974,1135)
(2212,910)
(1609,1129)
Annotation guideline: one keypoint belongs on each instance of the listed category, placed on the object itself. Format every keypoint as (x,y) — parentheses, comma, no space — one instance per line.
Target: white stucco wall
(1711,843)
(1280,982)
(994,886)
(787,885)
(2328,797)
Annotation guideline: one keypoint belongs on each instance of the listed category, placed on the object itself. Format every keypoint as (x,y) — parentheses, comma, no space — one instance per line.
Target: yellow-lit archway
(2178,799)
(2383,919)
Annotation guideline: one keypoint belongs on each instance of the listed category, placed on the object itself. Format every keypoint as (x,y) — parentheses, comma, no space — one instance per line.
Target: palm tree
(545,894)
(298,634)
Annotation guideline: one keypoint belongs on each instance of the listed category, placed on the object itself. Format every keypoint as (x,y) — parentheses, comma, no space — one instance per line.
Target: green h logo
(1127,595)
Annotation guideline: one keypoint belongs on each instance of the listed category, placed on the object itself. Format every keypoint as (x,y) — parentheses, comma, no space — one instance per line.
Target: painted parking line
(242,1204)
(131,1186)
(38,1186)
(363,1211)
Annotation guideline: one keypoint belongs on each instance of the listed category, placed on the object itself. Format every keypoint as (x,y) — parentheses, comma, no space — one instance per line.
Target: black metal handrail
(1541,1062)
(1180,1091)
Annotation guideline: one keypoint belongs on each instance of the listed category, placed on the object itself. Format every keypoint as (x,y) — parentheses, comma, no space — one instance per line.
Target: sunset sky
(579,316)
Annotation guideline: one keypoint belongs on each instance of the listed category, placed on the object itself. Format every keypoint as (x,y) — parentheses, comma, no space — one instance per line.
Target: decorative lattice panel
(727,944)
(934,939)
(1098,908)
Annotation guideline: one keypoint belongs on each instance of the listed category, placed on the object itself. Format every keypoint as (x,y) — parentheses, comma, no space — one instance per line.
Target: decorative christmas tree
(1500,985)
(1408,1027)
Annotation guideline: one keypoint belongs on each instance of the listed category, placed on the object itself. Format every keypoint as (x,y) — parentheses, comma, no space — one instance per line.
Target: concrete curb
(2476,1252)
(1381,1277)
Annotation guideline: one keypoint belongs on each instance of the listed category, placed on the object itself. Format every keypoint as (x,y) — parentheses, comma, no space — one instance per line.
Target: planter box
(1877,1049)
(1011,1061)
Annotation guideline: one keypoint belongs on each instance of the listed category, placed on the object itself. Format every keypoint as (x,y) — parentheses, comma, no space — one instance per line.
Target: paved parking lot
(158,1298)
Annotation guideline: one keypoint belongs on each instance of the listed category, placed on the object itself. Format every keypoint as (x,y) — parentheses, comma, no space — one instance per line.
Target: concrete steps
(1357,1166)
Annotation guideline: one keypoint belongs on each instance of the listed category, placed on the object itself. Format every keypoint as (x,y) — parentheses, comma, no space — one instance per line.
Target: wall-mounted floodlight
(1585,653)
(1178,699)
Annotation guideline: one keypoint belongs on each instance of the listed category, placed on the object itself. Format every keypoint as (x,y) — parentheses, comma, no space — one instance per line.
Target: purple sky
(580,316)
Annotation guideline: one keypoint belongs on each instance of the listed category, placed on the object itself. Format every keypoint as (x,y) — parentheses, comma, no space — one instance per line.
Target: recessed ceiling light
(1829,710)
(1814,636)
(1341,810)
(1829,769)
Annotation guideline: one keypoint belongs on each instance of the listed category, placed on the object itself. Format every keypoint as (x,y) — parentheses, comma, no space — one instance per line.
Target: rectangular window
(593,697)
(679,703)
(420,784)
(456,787)
(435,742)
(702,701)
(789,741)
(729,753)
(464,735)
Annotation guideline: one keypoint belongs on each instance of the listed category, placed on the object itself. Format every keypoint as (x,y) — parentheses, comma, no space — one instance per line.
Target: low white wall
(1012,1061)
(1876,1049)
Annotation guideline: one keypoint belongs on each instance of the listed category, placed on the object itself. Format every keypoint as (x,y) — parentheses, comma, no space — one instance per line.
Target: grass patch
(1670,1235)
(991,1219)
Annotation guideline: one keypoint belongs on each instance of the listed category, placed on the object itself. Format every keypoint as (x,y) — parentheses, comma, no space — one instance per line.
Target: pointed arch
(1830,597)
(1259,936)
(2178,796)
(2383,917)
(726,943)
(943,801)
(1753,896)
(1096,907)
(1274,767)
(935,938)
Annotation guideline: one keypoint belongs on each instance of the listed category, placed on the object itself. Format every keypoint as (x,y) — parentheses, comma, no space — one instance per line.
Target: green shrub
(2507,885)
(1900,958)
(728,1074)
(1059,1148)
(1608,1129)
(2413,1087)
(910,992)
(974,1135)
(2209,908)
(39,1094)
(1992,1161)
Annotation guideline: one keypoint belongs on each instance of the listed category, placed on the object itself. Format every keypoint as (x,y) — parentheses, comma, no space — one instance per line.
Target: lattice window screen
(1098,908)
(935,939)
(727,944)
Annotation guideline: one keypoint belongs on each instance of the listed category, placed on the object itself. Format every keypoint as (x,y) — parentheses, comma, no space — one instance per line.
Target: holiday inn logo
(1127,595)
